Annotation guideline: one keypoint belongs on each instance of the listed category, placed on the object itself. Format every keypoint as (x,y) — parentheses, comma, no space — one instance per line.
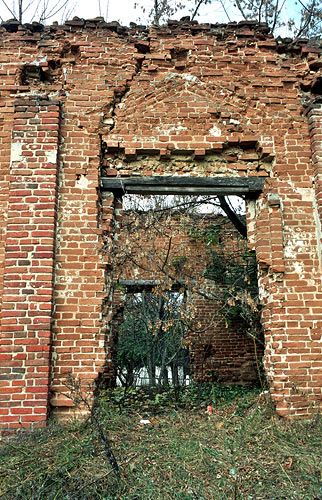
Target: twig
(168,253)
(196,9)
(75,388)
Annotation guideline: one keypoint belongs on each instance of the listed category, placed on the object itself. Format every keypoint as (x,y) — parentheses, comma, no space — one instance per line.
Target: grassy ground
(241,451)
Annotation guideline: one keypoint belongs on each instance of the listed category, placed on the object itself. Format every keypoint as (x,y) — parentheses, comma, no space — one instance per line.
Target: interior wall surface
(91,99)
(172,250)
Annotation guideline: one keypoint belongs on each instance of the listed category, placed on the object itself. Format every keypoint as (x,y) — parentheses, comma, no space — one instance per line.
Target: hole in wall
(32,74)
(142,46)
(70,51)
(315,65)
(184,245)
(179,54)
(317,86)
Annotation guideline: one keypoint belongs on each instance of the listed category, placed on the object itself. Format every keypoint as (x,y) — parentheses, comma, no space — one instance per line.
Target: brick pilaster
(29,264)
(314,115)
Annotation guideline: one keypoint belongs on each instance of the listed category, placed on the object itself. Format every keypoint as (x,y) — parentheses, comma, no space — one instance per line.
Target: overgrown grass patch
(241,451)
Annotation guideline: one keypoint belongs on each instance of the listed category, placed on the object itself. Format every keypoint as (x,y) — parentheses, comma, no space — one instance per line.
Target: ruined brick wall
(182,100)
(167,248)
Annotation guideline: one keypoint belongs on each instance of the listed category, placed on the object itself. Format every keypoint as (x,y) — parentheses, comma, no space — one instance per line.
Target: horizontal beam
(183,185)
(139,283)
(135,286)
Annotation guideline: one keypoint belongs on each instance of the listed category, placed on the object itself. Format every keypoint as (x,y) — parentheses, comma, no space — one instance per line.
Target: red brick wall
(27,299)
(185,100)
(221,352)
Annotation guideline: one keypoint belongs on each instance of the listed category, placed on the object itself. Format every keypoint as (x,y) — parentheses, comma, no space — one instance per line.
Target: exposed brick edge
(315,123)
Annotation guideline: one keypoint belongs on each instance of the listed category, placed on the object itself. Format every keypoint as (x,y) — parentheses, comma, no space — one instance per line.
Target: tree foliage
(151,336)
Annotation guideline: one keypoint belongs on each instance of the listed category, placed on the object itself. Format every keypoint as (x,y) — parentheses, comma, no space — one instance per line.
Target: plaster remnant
(299,269)
(38,62)
(52,156)
(108,121)
(215,131)
(262,292)
(65,74)
(120,165)
(251,222)
(318,226)
(170,130)
(16,151)
(306,193)
(188,77)
(82,182)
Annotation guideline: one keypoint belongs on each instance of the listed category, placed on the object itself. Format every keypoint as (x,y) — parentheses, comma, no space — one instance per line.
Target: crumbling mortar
(120,96)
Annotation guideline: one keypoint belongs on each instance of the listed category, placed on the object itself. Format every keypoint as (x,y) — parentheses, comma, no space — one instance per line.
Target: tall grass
(241,451)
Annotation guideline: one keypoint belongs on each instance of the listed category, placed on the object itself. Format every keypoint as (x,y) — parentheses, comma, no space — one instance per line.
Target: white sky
(124,10)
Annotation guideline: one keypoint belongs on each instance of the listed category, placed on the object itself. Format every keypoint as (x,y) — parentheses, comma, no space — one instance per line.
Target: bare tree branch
(8,8)
(43,10)
(197,9)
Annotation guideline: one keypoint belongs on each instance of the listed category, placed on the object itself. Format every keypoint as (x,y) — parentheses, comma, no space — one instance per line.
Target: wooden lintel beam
(183,185)
(136,286)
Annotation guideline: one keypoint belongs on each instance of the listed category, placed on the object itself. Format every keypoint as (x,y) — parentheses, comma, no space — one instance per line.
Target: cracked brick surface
(186,99)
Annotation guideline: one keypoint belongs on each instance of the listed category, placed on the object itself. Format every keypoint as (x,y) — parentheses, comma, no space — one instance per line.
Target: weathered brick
(202,113)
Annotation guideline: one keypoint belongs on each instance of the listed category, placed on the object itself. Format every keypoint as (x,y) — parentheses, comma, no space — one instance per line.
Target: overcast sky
(123,10)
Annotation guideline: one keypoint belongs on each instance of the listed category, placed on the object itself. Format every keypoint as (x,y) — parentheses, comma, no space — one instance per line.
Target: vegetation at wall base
(243,450)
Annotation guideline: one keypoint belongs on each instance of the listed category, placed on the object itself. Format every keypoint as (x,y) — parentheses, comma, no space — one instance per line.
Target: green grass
(242,451)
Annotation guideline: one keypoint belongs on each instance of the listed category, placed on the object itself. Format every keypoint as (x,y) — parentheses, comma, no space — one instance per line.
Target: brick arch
(185,103)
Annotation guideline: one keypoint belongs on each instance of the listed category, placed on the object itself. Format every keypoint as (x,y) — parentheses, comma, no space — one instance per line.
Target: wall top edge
(97,26)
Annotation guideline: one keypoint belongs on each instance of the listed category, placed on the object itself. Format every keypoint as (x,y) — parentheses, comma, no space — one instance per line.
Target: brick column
(29,264)
(314,115)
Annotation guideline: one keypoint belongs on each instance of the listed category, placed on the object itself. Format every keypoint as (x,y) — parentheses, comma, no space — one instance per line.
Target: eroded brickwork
(182,100)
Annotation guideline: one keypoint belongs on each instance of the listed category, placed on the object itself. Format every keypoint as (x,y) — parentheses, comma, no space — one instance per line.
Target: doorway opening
(185,302)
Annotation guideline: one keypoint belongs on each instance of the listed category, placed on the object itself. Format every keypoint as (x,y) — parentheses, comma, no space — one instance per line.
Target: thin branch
(35,11)
(76,395)
(27,7)
(168,253)
(308,20)
(241,10)
(304,6)
(156,12)
(225,10)
(58,6)
(277,15)
(196,9)
(11,12)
